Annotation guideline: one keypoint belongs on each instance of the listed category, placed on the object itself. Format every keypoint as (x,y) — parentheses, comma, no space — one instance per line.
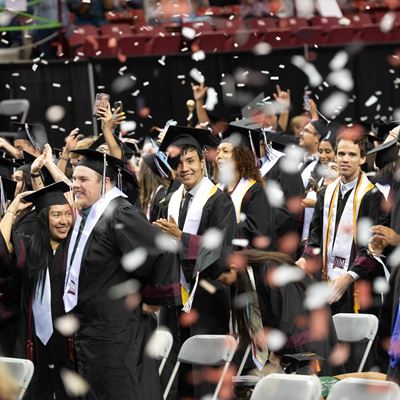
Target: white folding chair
(164,342)
(287,387)
(21,371)
(205,350)
(356,328)
(15,107)
(364,389)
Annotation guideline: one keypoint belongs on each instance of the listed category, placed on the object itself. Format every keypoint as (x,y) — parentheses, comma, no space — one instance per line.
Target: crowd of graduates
(261,227)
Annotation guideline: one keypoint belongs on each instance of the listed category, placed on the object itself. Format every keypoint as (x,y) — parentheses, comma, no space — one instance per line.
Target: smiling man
(112,335)
(333,231)
(194,208)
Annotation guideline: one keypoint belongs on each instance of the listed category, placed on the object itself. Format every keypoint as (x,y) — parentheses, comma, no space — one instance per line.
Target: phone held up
(102,100)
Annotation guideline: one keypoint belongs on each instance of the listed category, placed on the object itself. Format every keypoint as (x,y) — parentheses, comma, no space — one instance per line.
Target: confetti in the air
(371,101)
(67,325)
(276,339)
(207,286)
(364,225)
(134,259)
(188,33)
(197,75)
(387,22)
(342,79)
(122,83)
(240,242)
(262,49)
(226,172)
(212,99)
(381,285)
(294,157)
(212,239)
(334,104)
(158,343)
(55,113)
(284,275)
(314,77)
(74,384)
(123,289)
(199,55)
(317,295)
(339,61)
(275,194)
(167,243)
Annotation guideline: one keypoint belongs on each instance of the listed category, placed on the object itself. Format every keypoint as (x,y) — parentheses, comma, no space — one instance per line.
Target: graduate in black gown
(40,261)
(113,327)
(239,176)
(196,206)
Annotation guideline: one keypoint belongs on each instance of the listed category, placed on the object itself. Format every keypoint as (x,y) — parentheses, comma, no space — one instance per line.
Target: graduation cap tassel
(103,182)
(253,149)
(119,179)
(30,137)
(205,163)
(2,197)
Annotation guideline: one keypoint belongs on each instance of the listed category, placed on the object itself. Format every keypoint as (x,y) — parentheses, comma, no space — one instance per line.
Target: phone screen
(102,100)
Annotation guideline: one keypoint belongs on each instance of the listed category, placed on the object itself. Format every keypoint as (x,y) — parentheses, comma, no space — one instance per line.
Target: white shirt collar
(345,187)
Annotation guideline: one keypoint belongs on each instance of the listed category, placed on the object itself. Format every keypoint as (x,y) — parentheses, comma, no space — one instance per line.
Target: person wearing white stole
(240,177)
(40,261)
(333,229)
(195,207)
(110,235)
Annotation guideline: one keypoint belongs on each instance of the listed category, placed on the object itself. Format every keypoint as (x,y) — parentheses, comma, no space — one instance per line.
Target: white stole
(337,250)
(306,174)
(274,155)
(238,194)
(192,222)
(73,269)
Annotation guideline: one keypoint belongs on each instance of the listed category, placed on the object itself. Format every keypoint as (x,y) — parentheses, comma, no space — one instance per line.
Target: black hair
(189,147)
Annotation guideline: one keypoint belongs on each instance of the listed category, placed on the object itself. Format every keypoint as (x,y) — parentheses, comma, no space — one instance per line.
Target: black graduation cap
(158,163)
(386,153)
(239,135)
(7,188)
(254,105)
(181,135)
(49,196)
(7,167)
(101,140)
(300,362)
(34,132)
(47,178)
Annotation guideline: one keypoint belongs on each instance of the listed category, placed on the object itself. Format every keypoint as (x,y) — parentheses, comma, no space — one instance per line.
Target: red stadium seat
(373,34)
(115,30)
(199,26)
(79,34)
(135,45)
(280,38)
(294,24)
(169,43)
(326,23)
(244,40)
(229,25)
(210,41)
(359,20)
(312,35)
(262,24)
(341,35)
(100,46)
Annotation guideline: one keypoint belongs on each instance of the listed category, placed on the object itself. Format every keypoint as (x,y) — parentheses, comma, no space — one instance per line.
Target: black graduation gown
(57,354)
(292,187)
(155,205)
(282,308)
(110,341)
(360,263)
(259,219)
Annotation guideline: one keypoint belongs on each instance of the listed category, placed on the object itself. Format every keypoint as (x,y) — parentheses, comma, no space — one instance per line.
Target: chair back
(21,371)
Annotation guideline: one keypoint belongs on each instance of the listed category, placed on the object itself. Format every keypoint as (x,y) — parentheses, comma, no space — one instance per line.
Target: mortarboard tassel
(252,148)
(103,180)
(30,137)
(2,197)
(119,179)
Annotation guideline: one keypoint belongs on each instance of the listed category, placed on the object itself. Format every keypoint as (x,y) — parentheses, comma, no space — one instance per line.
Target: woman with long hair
(41,262)
(276,306)
(239,176)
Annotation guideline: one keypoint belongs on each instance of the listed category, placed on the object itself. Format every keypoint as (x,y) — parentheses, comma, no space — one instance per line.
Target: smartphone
(118,104)
(306,99)
(102,100)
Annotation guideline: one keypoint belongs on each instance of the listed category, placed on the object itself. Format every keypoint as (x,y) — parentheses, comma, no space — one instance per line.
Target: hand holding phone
(102,101)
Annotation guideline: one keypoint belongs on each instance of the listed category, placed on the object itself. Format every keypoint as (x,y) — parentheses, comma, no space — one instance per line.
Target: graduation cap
(301,363)
(34,132)
(253,106)
(239,135)
(158,163)
(28,159)
(7,191)
(386,153)
(180,136)
(51,195)
(101,140)
(7,167)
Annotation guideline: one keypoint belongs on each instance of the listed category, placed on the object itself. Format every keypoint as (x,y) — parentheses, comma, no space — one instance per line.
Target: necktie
(394,348)
(71,281)
(41,309)
(184,210)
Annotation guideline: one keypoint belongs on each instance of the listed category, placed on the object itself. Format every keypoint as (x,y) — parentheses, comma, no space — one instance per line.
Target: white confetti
(242,217)
(286,274)
(317,295)
(55,113)
(294,157)
(128,126)
(314,77)
(134,259)
(387,22)
(212,99)
(394,258)
(262,49)
(199,55)
(212,239)
(34,67)
(74,384)
(56,85)
(67,325)
(122,83)
(188,33)
(334,103)
(197,75)
(156,341)
(243,300)
(274,78)
(167,243)
(275,340)
(207,286)
(339,60)
(275,194)
(240,242)
(88,122)
(364,225)
(381,285)
(23,88)
(226,172)
(123,289)
(371,101)
(343,79)
(69,99)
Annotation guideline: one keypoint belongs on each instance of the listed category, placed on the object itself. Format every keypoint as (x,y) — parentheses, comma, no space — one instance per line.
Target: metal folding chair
(15,107)
(356,328)
(287,387)
(205,350)
(21,371)
(364,389)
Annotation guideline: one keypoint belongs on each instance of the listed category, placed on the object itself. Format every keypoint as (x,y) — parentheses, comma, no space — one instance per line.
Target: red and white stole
(337,250)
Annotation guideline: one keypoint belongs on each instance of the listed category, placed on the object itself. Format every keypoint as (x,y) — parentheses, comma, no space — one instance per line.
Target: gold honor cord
(45,23)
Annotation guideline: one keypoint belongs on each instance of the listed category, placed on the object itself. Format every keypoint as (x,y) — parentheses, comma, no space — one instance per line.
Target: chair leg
(171,380)
(364,359)
(243,363)
(162,365)
(221,379)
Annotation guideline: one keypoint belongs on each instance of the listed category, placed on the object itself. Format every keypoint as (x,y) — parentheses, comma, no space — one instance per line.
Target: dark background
(166,95)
